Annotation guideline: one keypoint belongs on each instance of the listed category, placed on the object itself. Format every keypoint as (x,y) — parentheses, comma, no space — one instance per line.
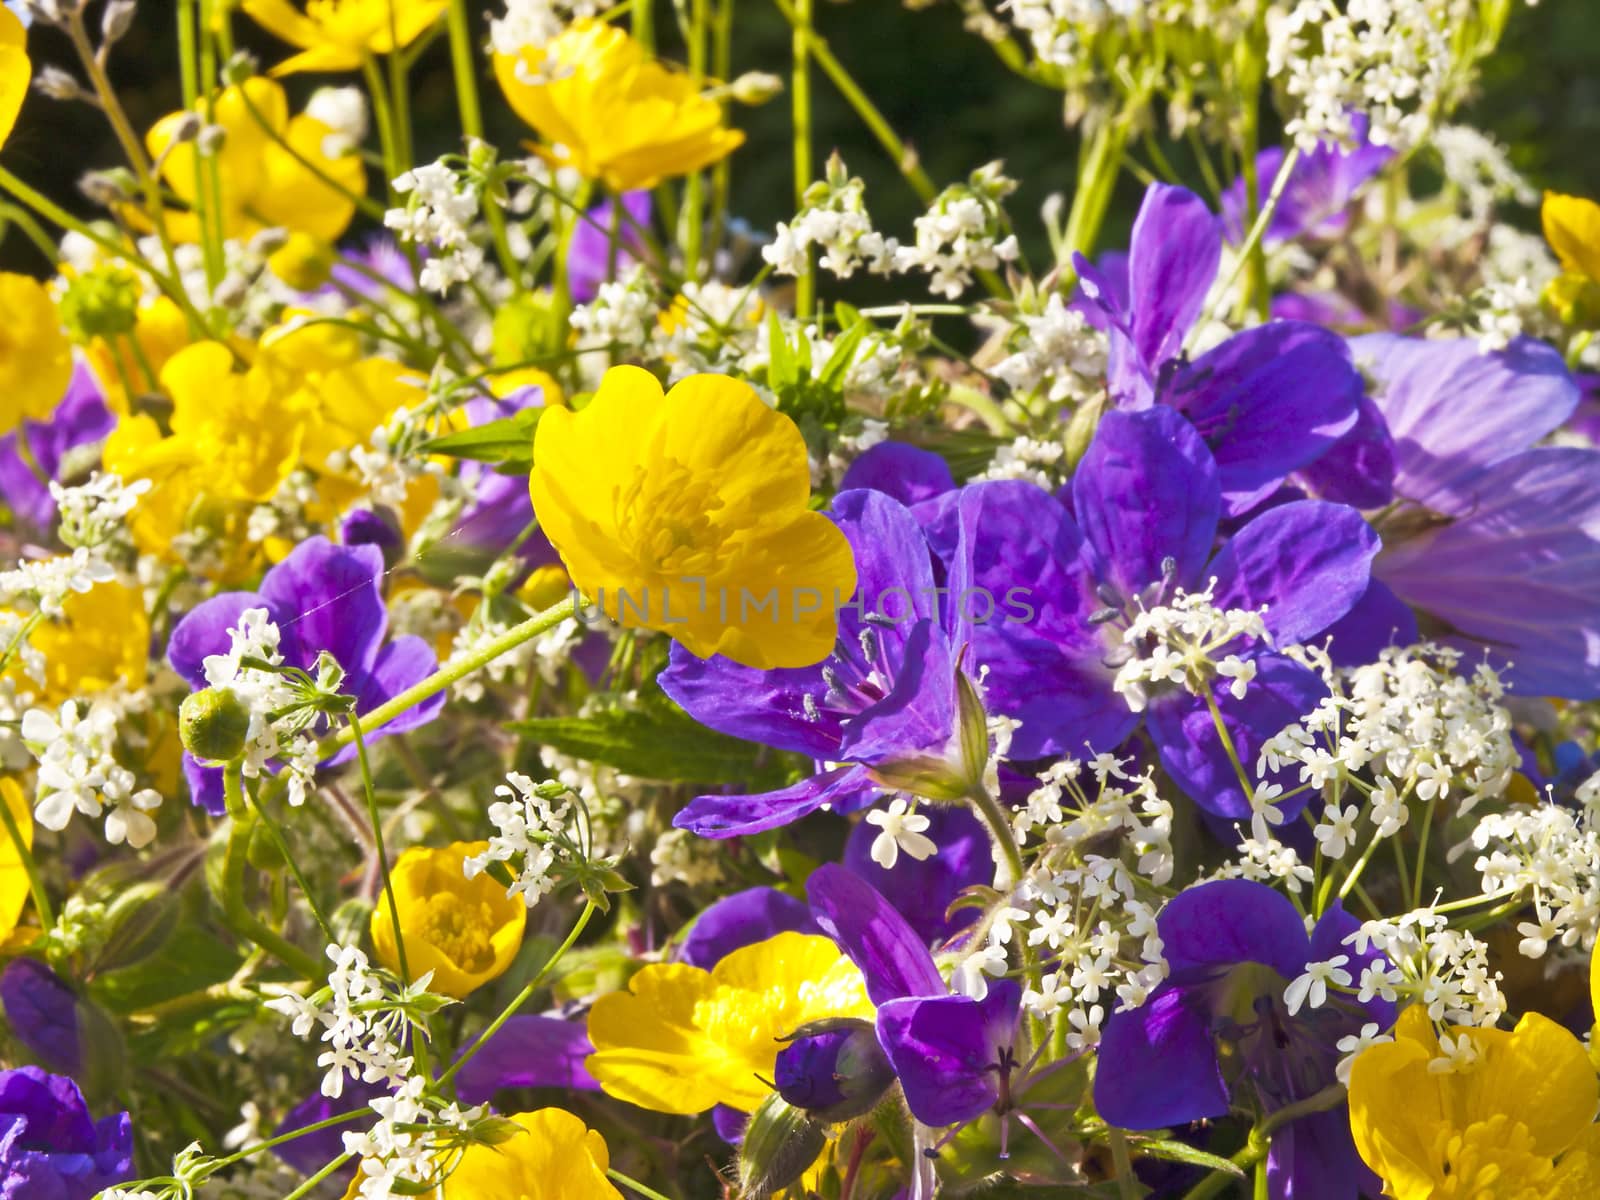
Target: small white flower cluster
(263,693)
(1038,462)
(901,830)
(834,219)
(964,231)
(846,448)
(78,771)
(344,111)
(1481,171)
(1058,29)
(47,582)
(680,857)
(535,22)
(711,326)
(1550,856)
(539,829)
(1411,720)
(363,1017)
(1056,350)
(441,208)
(96,512)
(388,464)
(1264,859)
(1445,970)
(400,1154)
(1177,643)
(1129,805)
(1389,59)
(1502,311)
(622,314)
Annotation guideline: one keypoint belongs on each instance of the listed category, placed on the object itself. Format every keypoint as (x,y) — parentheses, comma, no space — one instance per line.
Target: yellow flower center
(1492,1160)
(666,516)
(459,929)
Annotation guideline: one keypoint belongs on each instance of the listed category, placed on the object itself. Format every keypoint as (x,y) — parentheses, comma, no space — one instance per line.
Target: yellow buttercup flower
(15,70)
(689,513)
(558,1158)
(231,446)
(466,931)
(102,638)
(682,1039)
(35,356)
(610,111)
(13,878)
(336,35)
(1572,227)
(1514,1123)
(263,184)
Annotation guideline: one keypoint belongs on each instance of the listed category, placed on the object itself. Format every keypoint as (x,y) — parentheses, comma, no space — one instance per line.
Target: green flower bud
(528,327)
(101,303)
(213,725)
(780,1143)
(141,919)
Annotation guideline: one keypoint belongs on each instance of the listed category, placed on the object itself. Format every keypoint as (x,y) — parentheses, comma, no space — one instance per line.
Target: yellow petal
(1572,227)
(649,1049)
(1577,1175)
(283,19)
(466,931)
(297,198)
(13,878)
(1538,1074)
(555,1158)
(15,72)
(35,356)
(1395,1107)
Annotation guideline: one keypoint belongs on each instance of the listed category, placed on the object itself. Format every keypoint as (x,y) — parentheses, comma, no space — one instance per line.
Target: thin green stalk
(1214,1183)
(633,1185)
(1258,228)
(1127,1184)
(281,844)
(1227,742)
(520,998)
(284,1138)
(371,796)
(644,24)
(905,159)
(400,96)
(451,672)
(464,67)
(30,868)
(721,68)
(999,823)
(694,193)
(311,1185)
(235,912)
(383,117)
(1422,851)
(800,106)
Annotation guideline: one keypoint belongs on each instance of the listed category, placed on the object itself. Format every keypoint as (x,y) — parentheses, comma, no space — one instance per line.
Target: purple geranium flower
(1218,1028)
(1322,185)
(43,1013)
(81,419)
(321,597)
(885,695)
(373,267)
(535,1051)
(310,1152)
(1497,541)
(740,920)
(50,1147)
(1147,499)
(955,1057)
(922,891)
(601,249)
(1268,401)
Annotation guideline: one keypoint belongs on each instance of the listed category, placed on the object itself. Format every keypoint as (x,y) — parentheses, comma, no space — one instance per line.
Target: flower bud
(302,261)
(834,1070)
(780,1144)
(213,725)
(140,920)
(755,87)
(117,20)
(57,84)
(240,67)
(103,302)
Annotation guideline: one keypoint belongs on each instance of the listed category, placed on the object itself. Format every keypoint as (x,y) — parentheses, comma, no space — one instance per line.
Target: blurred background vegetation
(941,88)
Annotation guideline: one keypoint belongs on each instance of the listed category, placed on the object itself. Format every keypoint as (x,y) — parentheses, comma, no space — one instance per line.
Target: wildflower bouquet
(516,685)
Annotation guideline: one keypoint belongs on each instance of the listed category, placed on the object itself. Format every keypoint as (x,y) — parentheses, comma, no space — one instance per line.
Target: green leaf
(844,350)
(508,441)
(655,741)
(1176,1151)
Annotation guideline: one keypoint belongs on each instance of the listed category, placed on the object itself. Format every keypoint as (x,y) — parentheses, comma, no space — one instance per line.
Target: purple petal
(944,1049)
(893,959)
(907,473)
(740,920)
(1157,1065)
(760,706)
(845,788)
(1308,562)
(42,1012)
(531,1052)
(1173,257)
(1268,401)
(310,1152)
(1454,410)
(1314,1158)
(1229,921)
(1317,197)
(922,892)
(1020,548)
(81,418)
(1378,620)
(1359,470)
(205,785)
(1146,491)
(203,631)
(1193,754)
(401,664)
(333,595)
(594,249)
(918,716)
(1517,575)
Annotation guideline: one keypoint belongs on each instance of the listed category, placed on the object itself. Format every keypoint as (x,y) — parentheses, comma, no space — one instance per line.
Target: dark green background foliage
(941,88)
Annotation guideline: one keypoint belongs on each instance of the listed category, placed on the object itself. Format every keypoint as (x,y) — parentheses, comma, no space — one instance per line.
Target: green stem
(1258,229)
(520,998)
(1214,1183)
(235,912)
(694,194)
(1127,1184)
(464,67)
(284,1138)
(1227,742)
(999,823)
(451,672)
(281,843)
(905,159)
(371,796)
(383,117)
(41,899)
(1422,851)
(800,96)
(1097,176)
(633,1185)
(311,1185)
